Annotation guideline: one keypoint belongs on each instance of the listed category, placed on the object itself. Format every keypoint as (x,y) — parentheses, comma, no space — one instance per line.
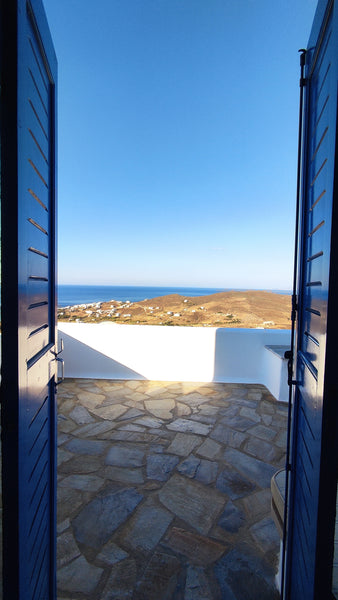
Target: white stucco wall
(112,351)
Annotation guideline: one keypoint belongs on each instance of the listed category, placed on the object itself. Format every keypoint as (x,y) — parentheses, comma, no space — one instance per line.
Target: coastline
(70,295)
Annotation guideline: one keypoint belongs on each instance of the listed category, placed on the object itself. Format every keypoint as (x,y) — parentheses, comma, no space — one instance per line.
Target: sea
(69,295)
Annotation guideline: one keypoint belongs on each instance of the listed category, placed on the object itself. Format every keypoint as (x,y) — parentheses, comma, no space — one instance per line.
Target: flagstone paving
(164,490)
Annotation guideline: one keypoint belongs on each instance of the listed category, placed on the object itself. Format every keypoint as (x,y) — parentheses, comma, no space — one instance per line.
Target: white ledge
(204,354)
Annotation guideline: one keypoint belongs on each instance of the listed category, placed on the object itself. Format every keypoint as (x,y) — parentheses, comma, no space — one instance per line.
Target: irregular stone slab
(121,581)
(121,456)
(111,399)
(95,429)
(131,436)
(197,586)
(63,456)
(211,411)
(97,521)
(161,435)
(132,427)
(131,414)
(160,408)
(182,409)
(234,484)
(227,436)
(257,470)
(150,422)
(132,384)
(188,387)
(265,534)
(125,475)
(189,466)
(267,408)
(250,413)
(192,501)
(279,422)
(159,466)
(157,448)
(184,443)
(159,579)
(63,398)
(67,549)
(80,415)
(62,437)
(110,387)
(209,448)
(263,450)
(185,425)
(137,396)
(207,419)
(249,403)
(258,505)
(62,526)
(281,440)
(194,399)
(232,518)
(240,423)
(146,527)
(151,485)
(111,554)
(86,483)
(114,393)
(79,576)
(264,433)
(207,391)
(243,574)
(231,411)
(254,395)
(110,412)
(155,390)
(68,502)
(90,386)
(65,425)
(90,400)
(93,447)
(206,471)
(198,549)
(81,464)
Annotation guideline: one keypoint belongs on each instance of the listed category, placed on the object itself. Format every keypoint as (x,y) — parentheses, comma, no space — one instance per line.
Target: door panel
(28,175)
(308,563)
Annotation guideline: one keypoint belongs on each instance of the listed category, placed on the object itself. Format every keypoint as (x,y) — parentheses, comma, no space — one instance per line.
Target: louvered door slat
(37,213)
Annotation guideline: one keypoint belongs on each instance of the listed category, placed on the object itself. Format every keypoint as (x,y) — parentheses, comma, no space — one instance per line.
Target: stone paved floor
(164,490)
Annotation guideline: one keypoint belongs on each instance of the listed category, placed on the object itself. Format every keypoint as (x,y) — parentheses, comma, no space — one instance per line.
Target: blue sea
(69,295)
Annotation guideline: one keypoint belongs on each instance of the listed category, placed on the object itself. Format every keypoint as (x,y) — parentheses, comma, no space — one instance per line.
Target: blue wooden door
(28,196)
(314,458)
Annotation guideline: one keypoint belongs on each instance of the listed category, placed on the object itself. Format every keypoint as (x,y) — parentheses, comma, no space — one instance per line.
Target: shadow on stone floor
(164,490)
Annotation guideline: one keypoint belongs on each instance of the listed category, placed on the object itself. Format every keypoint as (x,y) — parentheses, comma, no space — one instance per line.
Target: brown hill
(225,309)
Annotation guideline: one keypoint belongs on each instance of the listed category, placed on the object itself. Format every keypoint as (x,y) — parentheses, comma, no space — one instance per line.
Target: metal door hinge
(57,352)
(303,80)
(61,361)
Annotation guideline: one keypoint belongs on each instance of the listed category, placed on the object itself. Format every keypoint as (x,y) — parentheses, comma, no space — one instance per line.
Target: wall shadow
(87,362)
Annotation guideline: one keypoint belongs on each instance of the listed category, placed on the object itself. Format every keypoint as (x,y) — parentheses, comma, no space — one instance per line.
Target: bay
(69,295)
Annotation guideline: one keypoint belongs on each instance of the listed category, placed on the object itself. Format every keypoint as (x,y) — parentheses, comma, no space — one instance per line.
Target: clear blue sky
(178,140)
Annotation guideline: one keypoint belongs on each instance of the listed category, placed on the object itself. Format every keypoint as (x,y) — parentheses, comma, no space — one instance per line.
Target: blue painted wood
(314,450)
(28,197)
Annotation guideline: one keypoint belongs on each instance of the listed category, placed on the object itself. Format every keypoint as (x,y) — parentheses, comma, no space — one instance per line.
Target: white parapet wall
(113,351)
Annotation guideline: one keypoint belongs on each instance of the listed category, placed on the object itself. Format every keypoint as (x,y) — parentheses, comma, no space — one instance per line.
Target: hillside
(225,309)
